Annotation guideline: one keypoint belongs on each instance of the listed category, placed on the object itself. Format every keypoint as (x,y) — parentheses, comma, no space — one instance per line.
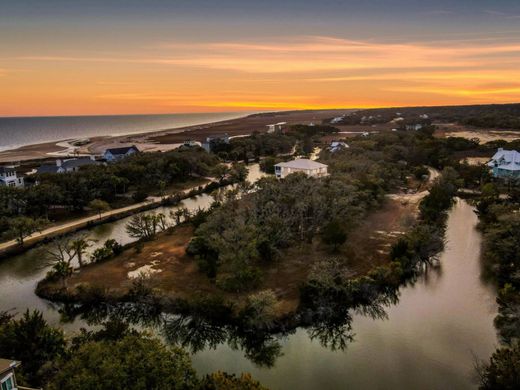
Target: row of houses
(503,164)
(10,178)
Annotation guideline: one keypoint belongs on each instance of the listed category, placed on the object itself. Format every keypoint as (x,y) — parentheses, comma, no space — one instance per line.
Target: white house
(505,163)
(7,378)
(337,145)
(7,375)
(191,143)
(65,166)
(116,154)
(275,127)
(414,126)
(9,177)
(309,167)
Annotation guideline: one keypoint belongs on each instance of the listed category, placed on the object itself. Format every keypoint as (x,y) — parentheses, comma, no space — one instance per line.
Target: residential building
(309,167)
(190,143)
(337,145)
(275,127)
(8,377)
(65,166)
(414,126)
(337,119)
(116,154)
(212,140)
(505,163)
(9,177)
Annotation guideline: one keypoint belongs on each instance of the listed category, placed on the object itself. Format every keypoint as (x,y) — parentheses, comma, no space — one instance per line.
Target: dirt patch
(475,160)
(484,135)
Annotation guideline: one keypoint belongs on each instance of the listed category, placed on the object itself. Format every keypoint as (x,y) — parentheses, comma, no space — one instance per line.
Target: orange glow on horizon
(296,73)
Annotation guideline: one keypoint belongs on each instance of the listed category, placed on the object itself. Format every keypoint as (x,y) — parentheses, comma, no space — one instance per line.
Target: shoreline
(165,139)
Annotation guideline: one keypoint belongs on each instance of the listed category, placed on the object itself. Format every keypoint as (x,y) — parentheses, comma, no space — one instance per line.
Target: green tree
(503,370)
(334,235)
(133,362)
(99,206)
(23,227)
(32,341)
(224,381)
(79,246)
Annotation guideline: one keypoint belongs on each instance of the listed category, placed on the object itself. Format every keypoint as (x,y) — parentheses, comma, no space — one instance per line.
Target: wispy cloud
(501,14)
(309,54)
(289,72)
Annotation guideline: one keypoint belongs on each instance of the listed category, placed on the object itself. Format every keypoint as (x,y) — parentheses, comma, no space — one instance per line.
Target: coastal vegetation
(255,237)
(506,116)
(274,255)
(113,357)
(497,206)
(99,188)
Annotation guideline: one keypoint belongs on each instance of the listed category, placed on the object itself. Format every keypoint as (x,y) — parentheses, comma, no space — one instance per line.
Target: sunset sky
(78,57)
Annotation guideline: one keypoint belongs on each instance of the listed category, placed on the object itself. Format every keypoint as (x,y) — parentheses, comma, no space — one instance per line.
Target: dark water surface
(20,131)
(429,341)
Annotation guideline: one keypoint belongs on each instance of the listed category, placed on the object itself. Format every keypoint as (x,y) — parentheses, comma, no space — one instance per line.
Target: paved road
(83,222)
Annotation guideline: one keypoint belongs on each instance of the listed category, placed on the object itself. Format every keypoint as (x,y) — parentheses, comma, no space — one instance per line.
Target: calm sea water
(16,132)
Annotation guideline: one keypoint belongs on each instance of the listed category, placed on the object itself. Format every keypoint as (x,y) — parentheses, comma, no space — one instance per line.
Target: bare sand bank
(165,140)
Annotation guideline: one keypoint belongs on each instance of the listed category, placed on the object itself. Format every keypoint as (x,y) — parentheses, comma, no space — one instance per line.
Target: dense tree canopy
(133,362)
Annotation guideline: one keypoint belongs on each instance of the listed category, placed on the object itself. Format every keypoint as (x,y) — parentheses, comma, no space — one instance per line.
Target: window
(7,383)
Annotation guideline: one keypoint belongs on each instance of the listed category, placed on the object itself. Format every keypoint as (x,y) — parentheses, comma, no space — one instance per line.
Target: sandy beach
(165,140)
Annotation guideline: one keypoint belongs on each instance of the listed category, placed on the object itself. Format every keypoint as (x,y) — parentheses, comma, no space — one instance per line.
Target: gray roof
(78,162)
(122,150)
(67,164)
(301,163)
(47,168)
(7,364)
(506,159)
(7,169)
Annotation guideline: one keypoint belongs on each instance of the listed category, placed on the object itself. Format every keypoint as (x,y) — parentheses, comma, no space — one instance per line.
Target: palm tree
(79,246)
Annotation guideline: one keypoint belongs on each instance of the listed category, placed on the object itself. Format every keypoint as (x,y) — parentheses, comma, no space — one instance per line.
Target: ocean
(21,131)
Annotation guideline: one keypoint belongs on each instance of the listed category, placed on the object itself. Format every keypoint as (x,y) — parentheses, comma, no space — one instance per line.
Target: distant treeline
(505,116)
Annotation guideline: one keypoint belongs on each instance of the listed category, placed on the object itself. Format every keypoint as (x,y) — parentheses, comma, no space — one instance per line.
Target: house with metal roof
(336,146)
(9,177)
(65,166)
(309,167)
(505,163)
(116,154)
